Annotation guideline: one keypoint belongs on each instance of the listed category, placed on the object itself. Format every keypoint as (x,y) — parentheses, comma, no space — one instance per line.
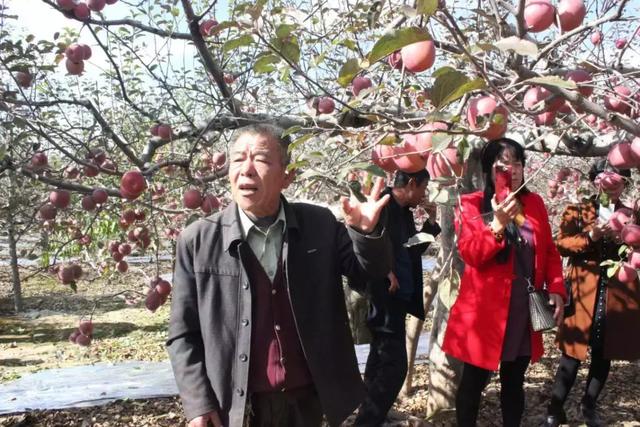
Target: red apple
(538,15)
(153,300)
(74,52)
(66,275)
(47,211)
(86,327)
(140,215)
(124,249)
(83,340)
(619,103)
(81,11)
(229,78)
(631,235)
(619,219)
(421,140)
(86,51)
(419,56)
(192,199)
(621,156)
(60,198)
(24,78)
(129,216)
(87,203)
(621,43)
(90,171)
(485,106)
(122,266)
(96,5)
(133,184)
(165,132)
(326,105)
(626,273)
(111,1)
(66,4)
(545,119)
(571,13)
(381,155)
(596,37)
(99,196)
(74,334)
(206,26)
(153,130)
(634,259)
(209,203)
(71,172)
(445,163)
(406,159)
(163,288)
(635,150)
(581,76)
(117,256)
(360,83)
(39,160)
(537,98)
(77,271)
(74,68)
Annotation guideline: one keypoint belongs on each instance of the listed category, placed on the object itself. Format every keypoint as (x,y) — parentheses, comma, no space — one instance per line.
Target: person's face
(257,174)
(508,158)
(416,193)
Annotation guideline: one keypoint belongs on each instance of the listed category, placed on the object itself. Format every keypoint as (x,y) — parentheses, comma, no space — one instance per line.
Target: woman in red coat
(505,247)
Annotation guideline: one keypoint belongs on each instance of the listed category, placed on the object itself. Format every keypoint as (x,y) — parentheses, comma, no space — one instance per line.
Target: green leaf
(451,87)
(288,48)
(395,40)
(175,11)
(244,40)
(292,129)
(519,46)
(264,64)
(553,81)
(446,83)
(440,141)
(299,141)
(297,165)
(30,38)
(621,251)
(348,71)
(284,30)
(613,270)
(442,70)
(427,7)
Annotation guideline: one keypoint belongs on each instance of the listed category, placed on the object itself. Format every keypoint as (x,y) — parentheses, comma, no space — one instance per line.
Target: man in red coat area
(505,246)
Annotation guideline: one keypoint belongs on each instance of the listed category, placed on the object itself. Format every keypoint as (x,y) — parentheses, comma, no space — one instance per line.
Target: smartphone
(503,181)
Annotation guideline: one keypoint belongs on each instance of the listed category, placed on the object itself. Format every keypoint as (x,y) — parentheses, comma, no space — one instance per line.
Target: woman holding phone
(506,246)
(606,311)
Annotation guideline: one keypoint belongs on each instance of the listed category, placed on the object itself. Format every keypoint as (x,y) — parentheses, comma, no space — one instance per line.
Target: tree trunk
(445,371)
(13,250)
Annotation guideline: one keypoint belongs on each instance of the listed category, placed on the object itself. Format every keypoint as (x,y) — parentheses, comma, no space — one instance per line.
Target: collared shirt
(266,245)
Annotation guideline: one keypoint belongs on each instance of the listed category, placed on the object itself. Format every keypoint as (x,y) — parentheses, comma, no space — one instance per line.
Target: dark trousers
(475,379)
(383,377)
(566,377)
(295,408)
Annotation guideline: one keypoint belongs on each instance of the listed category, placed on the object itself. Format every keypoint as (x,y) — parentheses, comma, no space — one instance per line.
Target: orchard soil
(125,330)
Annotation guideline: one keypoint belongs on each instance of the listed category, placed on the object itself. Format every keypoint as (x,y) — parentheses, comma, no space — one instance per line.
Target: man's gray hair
(266,129)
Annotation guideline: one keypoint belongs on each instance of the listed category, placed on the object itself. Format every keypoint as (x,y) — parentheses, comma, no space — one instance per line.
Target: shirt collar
(246,224)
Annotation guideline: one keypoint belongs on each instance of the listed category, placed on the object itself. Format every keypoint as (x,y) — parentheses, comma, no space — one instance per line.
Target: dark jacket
(210,324)
(622,299)
(383,306)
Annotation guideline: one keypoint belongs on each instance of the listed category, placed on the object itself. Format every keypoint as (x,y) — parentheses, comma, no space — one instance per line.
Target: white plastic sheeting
(98,384)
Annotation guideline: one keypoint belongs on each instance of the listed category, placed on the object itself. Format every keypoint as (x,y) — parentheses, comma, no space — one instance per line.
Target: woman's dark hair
(490,152)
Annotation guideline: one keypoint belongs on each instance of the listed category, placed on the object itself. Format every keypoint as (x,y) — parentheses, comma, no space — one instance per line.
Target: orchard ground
(37,340)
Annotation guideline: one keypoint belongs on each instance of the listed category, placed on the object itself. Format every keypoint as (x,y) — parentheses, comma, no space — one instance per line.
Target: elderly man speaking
(259,333)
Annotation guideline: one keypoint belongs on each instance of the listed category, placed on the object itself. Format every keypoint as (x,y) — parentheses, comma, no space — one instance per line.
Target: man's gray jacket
(210,326)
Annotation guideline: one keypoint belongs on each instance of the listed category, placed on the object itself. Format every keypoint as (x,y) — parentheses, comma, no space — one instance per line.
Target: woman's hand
(557,301)
(393,280)
(504,212)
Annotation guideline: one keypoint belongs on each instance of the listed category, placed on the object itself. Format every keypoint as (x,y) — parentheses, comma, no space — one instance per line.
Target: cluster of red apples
(83,333)
(159,290)
(82,10)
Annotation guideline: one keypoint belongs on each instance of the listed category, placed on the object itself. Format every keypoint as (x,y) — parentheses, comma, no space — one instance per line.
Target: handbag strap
(526,269)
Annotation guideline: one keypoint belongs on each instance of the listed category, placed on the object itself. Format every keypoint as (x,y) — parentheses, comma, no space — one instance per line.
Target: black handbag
(540,311)
(570,305)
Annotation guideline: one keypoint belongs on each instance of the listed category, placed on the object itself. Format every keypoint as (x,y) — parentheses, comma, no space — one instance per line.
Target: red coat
(478,318)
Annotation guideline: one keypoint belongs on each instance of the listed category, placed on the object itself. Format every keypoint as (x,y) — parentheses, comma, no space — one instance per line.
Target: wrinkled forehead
(255,143)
